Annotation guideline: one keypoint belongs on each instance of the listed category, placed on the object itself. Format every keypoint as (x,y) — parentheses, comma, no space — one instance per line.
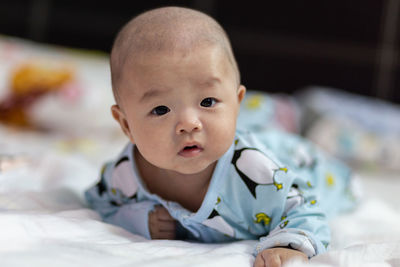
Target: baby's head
(177,88)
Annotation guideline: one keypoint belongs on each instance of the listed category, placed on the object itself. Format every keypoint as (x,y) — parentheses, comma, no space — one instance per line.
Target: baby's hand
(275,257)
(161,224)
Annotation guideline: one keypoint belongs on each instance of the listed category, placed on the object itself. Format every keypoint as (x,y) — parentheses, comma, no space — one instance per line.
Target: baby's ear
(241,93)
(119,116)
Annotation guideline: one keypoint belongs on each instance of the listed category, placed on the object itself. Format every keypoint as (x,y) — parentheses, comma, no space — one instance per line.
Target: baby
(187,172)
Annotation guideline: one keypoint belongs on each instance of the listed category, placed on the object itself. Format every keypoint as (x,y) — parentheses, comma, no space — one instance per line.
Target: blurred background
(280,46)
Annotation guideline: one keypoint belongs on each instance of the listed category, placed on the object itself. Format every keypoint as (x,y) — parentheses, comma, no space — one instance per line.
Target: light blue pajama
(269,185)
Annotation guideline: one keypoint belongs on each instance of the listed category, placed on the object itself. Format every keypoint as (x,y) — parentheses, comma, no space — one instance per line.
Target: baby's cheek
(223,133)
(151,144)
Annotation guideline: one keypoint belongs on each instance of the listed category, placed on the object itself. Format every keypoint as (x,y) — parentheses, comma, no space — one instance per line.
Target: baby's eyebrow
(154,92)
(210,82)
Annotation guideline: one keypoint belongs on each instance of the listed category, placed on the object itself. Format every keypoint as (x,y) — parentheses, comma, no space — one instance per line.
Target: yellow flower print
(330,179)
(262,218)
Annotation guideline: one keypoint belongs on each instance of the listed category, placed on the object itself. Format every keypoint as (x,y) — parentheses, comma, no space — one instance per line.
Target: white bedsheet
(44,220)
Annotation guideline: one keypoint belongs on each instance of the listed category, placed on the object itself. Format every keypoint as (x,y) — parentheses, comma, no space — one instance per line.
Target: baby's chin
(194,169)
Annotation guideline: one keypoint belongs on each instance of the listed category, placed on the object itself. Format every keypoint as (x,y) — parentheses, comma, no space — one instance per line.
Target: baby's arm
(117,209)
(303,229)
(275,257)
(132,216)
(161,224)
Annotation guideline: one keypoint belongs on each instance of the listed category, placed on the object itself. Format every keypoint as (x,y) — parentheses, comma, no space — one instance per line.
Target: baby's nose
(188,122)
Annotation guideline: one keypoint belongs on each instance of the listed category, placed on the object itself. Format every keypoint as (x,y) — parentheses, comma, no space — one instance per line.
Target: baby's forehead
(173,51)
(204,57)
(203,67)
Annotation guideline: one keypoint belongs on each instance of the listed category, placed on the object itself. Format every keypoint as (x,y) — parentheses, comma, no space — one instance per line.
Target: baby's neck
(188,190)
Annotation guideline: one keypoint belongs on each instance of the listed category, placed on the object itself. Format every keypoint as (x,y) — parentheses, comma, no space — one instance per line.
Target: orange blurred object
(28,83)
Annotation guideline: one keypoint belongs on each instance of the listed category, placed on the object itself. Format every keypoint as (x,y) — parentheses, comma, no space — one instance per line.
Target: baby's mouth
(190,147)
(190,151)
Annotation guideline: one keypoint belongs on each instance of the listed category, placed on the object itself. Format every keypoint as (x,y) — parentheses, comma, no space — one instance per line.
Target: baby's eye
(160,110)
(208,102)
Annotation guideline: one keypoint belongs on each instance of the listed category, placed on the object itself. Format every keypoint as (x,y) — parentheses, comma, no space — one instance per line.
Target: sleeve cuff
(292,238)
(134,218)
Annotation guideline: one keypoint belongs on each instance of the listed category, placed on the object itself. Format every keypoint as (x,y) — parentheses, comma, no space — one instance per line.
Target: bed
(44,171)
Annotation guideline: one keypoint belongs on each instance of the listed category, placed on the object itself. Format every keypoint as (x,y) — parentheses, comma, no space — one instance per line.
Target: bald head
(167,29)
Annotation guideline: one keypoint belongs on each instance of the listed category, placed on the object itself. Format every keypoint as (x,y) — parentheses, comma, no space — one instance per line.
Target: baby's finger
(167,226)
(169,235)
(268,259)
(165,235)
(152,217)
(163,214)
(259,262)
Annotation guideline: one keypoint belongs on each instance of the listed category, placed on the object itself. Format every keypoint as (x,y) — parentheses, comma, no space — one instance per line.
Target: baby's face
(181,108)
